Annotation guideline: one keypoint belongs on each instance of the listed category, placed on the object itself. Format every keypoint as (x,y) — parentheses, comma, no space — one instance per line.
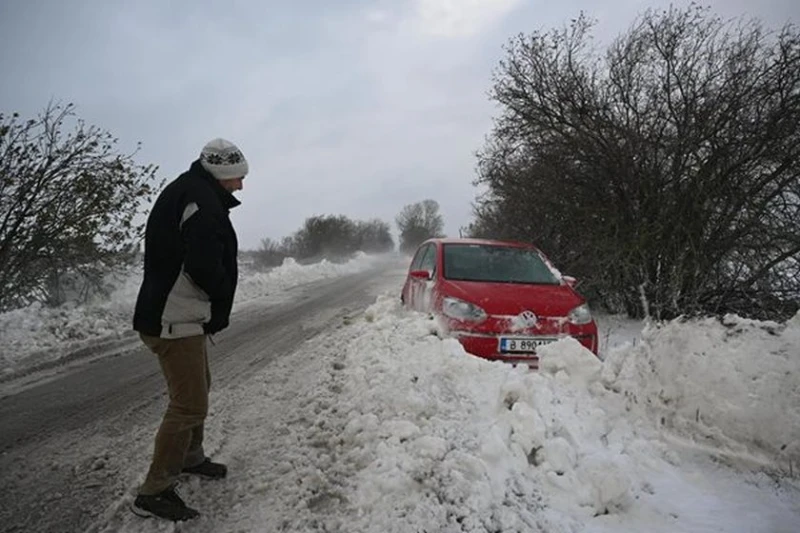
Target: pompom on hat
(223,160)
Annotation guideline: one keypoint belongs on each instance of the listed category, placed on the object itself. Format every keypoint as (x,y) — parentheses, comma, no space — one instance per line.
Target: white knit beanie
(223,160)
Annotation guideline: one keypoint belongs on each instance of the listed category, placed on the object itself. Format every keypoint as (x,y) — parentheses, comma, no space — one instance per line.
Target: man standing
(190,274)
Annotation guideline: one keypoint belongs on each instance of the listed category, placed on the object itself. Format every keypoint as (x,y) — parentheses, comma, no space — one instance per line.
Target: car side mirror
(571,281)
(420,274)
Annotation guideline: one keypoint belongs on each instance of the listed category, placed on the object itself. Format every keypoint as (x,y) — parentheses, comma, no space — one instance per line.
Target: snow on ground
(380,426)
(730,384)
(291,274)
(37,334)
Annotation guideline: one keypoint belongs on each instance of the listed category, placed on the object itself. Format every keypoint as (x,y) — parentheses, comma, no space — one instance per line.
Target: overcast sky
(349,107)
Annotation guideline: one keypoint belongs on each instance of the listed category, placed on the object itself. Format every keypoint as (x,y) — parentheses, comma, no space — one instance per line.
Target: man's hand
(215,325)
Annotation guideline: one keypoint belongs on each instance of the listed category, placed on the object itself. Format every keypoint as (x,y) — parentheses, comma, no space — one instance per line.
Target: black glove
(215,325)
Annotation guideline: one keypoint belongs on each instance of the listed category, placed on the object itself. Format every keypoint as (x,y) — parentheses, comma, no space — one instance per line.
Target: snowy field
(381,426)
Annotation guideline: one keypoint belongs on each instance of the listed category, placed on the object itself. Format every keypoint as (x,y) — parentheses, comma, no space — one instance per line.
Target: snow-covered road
(70,437)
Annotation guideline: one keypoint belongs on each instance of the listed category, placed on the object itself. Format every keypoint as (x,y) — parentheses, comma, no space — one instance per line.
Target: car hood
(513,298)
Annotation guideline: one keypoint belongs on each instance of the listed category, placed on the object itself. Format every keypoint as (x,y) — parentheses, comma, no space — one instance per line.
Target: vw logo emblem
(528,318)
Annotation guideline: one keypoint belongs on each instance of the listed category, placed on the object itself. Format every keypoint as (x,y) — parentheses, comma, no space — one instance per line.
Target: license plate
(522,344)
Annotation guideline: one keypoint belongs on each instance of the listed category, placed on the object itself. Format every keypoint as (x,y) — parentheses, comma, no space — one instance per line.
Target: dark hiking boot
(166,504)
(208,469)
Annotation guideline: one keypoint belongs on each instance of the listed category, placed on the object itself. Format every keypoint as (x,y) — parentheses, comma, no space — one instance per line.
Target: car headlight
(580,315)
(461,310)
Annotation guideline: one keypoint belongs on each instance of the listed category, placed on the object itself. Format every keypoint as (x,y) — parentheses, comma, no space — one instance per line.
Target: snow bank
(445,441)
(291,274)
(37,334)
(731,383)
(452,442)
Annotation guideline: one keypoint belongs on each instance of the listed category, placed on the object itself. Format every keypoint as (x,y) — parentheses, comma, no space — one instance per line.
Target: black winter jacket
(190,259)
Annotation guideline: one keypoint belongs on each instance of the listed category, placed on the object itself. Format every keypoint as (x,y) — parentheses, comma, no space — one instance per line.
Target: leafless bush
(68,205)
(667,167)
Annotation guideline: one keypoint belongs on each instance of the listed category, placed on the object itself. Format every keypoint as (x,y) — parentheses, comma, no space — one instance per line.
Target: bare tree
(270,254)
(374,236)
(326,237)
(418,222)
(68,205)
(332,237)
(665,171)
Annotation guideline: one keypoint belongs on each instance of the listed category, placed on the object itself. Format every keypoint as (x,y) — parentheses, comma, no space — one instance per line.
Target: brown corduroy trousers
(179,441)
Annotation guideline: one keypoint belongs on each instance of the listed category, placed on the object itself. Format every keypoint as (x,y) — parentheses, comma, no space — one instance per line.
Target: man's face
(233,184)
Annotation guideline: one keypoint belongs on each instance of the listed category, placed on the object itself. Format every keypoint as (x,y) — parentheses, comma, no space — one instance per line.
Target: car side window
(429,260)
(417,261)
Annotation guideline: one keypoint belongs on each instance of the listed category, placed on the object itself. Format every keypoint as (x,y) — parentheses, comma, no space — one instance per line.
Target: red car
(501,300)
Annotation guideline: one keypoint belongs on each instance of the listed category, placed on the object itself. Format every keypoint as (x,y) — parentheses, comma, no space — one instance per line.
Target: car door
(409,286)
(423,286)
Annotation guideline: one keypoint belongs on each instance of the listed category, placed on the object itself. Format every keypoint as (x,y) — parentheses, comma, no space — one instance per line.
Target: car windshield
(496,264)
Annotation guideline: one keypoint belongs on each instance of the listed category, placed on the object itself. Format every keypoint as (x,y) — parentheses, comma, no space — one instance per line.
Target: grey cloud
(341,107)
